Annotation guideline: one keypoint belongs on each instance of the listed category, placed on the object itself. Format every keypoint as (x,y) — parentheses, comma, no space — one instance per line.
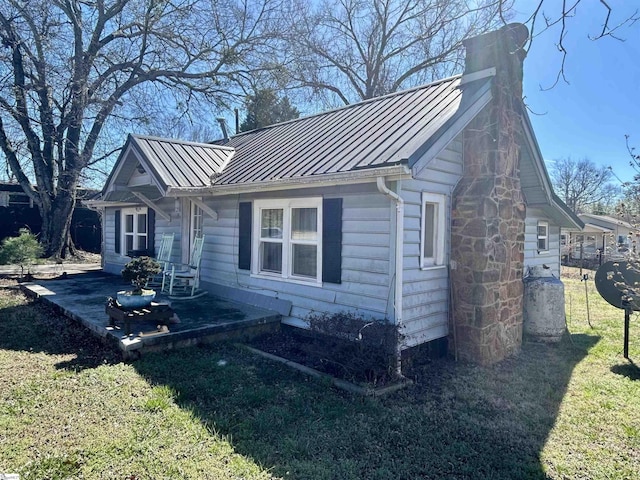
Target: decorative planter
(129,300)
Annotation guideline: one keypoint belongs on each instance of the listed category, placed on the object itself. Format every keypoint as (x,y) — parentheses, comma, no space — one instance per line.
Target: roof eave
(107,203)
(330,179)
(571,217)
(565,217)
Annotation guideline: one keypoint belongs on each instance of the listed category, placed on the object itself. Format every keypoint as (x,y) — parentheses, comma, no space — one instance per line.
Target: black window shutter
(151,232)
(332,240)
(117,231)
(244,234)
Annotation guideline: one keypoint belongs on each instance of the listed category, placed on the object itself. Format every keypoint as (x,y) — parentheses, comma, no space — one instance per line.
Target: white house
(602,234)
(392,207)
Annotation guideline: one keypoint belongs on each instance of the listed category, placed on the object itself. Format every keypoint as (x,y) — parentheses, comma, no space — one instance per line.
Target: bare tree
(557,15)
(581,184)
(629,207)
(70,70)
(343,51)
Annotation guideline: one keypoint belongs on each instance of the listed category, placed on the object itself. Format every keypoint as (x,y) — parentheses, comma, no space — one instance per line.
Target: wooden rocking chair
(164,259)
(185,279)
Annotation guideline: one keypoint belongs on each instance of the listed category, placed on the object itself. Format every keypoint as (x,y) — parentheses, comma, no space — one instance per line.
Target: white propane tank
(544,317)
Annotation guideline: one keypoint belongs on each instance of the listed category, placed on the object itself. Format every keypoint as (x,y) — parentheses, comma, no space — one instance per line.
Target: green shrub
(139,271)
(22,250)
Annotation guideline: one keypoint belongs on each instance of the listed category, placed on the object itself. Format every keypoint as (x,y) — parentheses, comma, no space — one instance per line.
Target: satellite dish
(608,279)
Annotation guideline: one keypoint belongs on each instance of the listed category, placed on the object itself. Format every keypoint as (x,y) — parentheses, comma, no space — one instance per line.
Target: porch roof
(170,163)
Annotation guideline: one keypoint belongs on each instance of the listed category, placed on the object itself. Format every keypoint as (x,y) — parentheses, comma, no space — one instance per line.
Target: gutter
(382,188)
(330,179)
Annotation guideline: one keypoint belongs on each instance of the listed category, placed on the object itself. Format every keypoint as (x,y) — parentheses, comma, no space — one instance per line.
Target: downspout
(452,266)
(382,188)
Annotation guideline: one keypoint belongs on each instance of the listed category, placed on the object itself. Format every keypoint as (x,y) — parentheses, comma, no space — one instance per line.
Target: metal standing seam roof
(375,133)
(178,163)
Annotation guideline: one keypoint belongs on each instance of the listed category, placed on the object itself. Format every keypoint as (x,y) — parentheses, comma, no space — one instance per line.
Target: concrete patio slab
(83,296)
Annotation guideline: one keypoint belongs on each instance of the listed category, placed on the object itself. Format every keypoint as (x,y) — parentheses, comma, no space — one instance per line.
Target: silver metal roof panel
(375,133)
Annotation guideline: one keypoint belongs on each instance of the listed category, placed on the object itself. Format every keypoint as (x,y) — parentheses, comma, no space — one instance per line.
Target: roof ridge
(351,105)
(183,142)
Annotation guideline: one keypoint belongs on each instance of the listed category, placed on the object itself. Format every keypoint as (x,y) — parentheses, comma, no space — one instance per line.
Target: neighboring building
(391,207)
(602,237)
(18,211)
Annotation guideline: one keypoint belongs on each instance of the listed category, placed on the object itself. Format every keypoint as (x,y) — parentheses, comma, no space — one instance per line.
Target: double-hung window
(288,240)
(433,230)
(135,232)
(543,237)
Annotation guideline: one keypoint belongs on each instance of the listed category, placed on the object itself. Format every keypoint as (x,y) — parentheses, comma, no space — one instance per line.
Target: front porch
(83,297)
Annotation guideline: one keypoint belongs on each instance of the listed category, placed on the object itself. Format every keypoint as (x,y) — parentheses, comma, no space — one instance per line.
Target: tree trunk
(56,225)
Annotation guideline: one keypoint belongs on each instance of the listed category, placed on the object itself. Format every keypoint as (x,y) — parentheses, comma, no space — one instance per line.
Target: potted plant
(138,271)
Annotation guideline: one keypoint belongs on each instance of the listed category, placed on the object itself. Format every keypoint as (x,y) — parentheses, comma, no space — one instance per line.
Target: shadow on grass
(629,370)
(458,421)
(33,327)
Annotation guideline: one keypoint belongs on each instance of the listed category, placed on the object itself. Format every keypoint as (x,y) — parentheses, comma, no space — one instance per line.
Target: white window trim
(437,261)
(195,209)
(538,237)
(123,227)
(287,249)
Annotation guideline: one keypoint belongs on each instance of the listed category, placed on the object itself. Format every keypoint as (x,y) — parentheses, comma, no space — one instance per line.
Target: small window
(433,230)
(135,234)
(543,237)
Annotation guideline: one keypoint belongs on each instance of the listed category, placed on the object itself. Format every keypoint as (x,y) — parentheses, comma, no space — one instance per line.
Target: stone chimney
(487,238)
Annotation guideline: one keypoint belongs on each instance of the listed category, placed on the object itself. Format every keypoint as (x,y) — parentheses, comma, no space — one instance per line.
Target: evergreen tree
(266,108)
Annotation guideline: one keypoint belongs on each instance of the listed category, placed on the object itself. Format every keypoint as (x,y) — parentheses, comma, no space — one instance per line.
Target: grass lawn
(70,409)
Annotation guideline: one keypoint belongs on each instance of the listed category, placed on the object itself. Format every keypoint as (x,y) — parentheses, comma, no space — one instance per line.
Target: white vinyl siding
(365,257)
(426,288)
(550,257)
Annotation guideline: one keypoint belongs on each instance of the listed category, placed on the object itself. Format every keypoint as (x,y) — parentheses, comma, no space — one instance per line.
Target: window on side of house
(135,229)
(288,242)
(196,223)
(543,237)
(432,230)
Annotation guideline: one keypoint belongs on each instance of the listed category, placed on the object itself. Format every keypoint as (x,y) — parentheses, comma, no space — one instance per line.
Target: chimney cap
(516,33)
(492,49)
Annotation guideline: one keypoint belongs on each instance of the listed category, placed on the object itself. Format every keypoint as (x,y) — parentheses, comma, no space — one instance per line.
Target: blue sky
(590,115)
